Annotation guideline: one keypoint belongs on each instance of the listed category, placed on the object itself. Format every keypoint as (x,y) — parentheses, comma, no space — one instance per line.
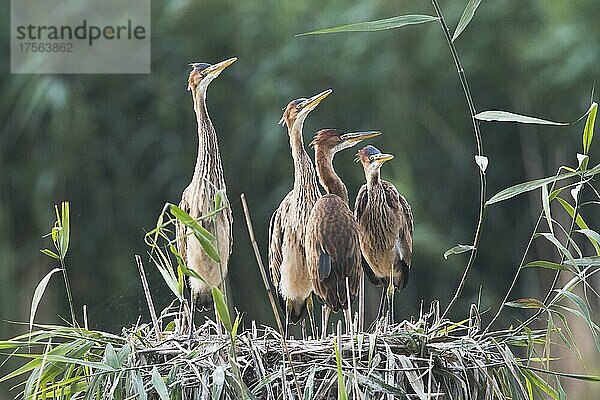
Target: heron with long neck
(386,225)
(198,197)
(286,229)
(332,234)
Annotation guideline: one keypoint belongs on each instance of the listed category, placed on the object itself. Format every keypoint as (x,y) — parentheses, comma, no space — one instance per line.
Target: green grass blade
(466,17)
(379,25)
(342,393)
(506,116)
(221,308)
(546,264)
(37,295)
(159,384)
(546,206)
(585,311)
(526,303)
(536,184)
(588,131)
(461,248)
(593,237)
(309,385)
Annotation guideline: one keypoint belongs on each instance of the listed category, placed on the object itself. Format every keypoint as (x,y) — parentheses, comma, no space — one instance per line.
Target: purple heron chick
(198,197)
(332,234)
(286,229)
(386,225)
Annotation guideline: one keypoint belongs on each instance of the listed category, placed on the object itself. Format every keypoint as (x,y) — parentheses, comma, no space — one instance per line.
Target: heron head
(371,158)
(334,141)
(202,74)
(297,110)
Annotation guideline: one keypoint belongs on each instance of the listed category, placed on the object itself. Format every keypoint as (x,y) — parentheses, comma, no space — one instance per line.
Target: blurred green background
(119,146)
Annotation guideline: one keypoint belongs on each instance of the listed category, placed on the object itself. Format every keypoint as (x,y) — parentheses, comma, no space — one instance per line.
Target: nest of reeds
(422,359)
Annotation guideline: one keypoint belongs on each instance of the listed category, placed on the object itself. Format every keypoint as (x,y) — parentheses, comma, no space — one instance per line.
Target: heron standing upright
(332,239)
(386,223)
(286,229)
(198,197)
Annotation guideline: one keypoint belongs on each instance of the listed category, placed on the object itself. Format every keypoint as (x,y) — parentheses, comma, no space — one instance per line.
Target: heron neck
(373,179)
(327,176)
(208,149)
(304,171)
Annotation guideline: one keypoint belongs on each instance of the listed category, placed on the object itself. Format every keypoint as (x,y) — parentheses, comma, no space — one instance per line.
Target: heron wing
(334,236)
(404,216)
(275,246)
(362,198)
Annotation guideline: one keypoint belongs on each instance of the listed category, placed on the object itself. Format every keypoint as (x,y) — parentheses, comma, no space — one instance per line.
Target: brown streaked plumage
(332,239)
(286,229)
(198,197)
(386,223)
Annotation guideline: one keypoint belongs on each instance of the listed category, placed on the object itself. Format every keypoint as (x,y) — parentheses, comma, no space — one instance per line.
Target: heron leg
(361,302)
(325,311)
(288,306)
(348,320)
(390,300)
(311,316)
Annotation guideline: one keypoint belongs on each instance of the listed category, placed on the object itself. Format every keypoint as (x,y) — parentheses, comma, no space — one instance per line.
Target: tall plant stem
(479,146)
(68,288)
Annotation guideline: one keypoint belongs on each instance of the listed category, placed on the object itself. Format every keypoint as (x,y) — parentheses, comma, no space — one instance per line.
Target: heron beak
(217,68)
(314,101)
(356,137)
(381,158)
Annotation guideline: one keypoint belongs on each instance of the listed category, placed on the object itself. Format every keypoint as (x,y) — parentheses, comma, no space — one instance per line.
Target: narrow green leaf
(110,357)
(221,199)
(584,228)
(236,325)
(170,279)
(379,385)
(204,237)
(309,385)
(547,265)
(593,237)
(538,183)
(526,303)
(342,393)
(190,222)
(180,280)
(585,311)
(139,385)
(588,131)
(50,253)
(466,17)
(559,246)
(546,206)
(584,262)
(159,384)
(539,383)
(379,25)
(66,229)
(55,358)
(506,116)
(221,308)
(37,295)
(461,248)
(218,380)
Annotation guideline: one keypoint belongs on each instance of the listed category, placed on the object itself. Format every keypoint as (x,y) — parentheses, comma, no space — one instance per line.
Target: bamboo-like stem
(138,261)
(479,146)
(68,288)
(263,274)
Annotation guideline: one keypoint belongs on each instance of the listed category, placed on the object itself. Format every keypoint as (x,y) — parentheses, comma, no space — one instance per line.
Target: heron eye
(299,106)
